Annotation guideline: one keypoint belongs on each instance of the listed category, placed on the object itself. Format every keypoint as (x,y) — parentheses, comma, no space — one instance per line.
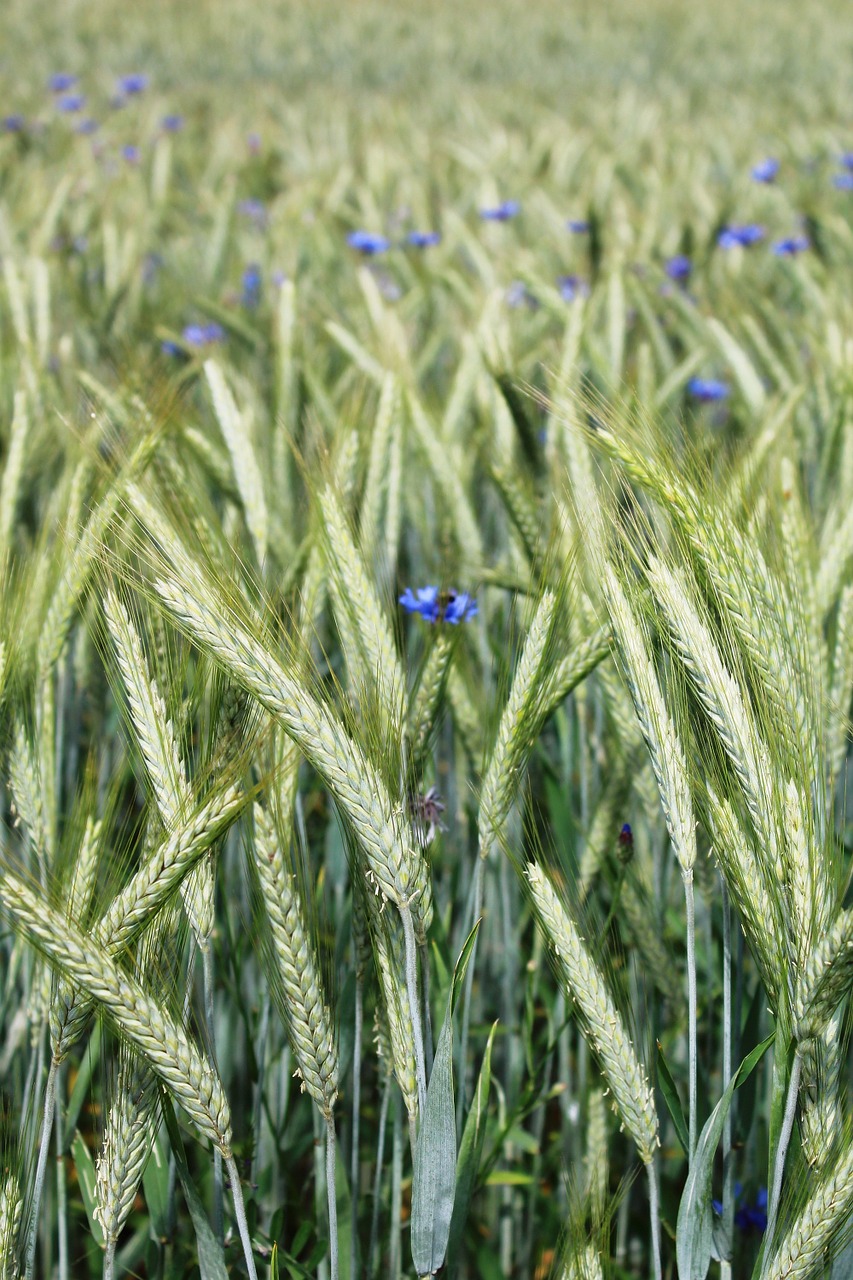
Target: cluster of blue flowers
(434,605)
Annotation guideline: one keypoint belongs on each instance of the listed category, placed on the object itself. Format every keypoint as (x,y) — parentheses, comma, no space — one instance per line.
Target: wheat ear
(800,1254)
(375,658)
(162,1041)
(128,1138)
(517,727)
(602,1022)
(391,862)
(309,1021)
(156,739)
(11,1205)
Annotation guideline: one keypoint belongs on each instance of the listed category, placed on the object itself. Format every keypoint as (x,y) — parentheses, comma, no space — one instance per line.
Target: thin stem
(428,1047)
(61,1194)
(691,1006)
(258,1108)
(332,1196)
(728,1161)
(476,912)
(414,1004)
(320,1190)
(240,1213)
(377,1177)
(109,1260)
(395,1261)
(209,1015)
(356,1110)
(41,1168)
(782,1151)
(654,1217)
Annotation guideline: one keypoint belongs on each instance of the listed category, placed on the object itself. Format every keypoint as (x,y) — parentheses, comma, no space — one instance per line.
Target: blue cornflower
(13,124)
(746,235)
(251,295)
(843,181)
(368,242)
(130,152)
(766,170)
(502,212)
(61,82)
(707,390)
(747,1216)
(790,246)
(172,124)
(87,127)
(518,295)
(136,82)
(578,226)
(679,267)
(71,102)
(847,160)
(423,239)
(254,210)
(439,606)
(572,287)
(202,335)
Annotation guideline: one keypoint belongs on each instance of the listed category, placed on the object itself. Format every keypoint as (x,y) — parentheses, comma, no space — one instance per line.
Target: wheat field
(426,641)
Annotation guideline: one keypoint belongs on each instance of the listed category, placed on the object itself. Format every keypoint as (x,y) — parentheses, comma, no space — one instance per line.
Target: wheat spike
(602,1022)
(162,1041)
(309,1021)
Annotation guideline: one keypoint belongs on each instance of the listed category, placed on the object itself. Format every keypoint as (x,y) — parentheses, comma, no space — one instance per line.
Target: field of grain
(426,640)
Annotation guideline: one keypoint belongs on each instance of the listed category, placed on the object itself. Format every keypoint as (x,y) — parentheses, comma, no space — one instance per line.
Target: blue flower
(202,335)
(766,171)
(502,212)
(790,246)
(518,295)
(172,124)
(678,267)
(71,102)
(577,226)
(13,124)
(423,239)
(747,1216)
(251,295)
(732,236)
(439,606)
(253,142)
(130,152)
(254,210)
(368,242)
(136,82)
(572,287)
(61,82)
(847,160)
(707,390)
(843,181)
(87,127)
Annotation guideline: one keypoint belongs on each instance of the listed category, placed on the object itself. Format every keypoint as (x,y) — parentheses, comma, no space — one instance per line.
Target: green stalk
(728,1161)
(41,1168)
(377,1177)
(782,1151)
(691,1006)
(414,1004)
(331,1193)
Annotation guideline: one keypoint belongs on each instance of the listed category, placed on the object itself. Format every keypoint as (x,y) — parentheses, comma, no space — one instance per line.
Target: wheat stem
(782,1149)
(240,1214)
(41,1168)
(414,1004)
